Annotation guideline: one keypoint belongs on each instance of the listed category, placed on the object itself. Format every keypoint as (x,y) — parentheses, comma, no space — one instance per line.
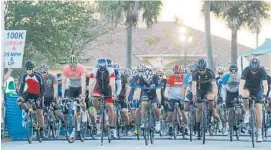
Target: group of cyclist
(134,87)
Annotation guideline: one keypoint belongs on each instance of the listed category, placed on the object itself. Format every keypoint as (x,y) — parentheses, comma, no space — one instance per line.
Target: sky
(190,12)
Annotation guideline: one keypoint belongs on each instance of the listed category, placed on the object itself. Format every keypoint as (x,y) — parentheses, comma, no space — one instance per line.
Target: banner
(14,48)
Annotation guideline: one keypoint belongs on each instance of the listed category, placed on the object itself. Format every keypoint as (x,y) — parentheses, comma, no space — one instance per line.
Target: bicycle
(205,118)
(104,119)
(32,121)
(178,123)
(235,118)
(222,111)
(52,123)
(74,116)
(149,124)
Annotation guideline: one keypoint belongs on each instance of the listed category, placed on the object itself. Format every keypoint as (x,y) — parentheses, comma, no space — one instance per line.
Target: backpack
(103,78)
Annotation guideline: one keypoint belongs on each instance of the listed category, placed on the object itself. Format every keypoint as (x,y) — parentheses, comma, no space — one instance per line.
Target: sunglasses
(44,72)
(220,74)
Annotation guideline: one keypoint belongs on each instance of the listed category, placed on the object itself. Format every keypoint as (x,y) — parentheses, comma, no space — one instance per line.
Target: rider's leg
(259,115)
(157,115)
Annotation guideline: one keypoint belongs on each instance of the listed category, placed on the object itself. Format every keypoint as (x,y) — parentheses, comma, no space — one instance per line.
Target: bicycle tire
(138,122)
(56,127)
(175,125)
(191,123)
(102,126)
(83,129)
(231,123)
(204,125)
(151,127)
(146,134)
(118,124)
(29,127)
(252,124)
(69,139)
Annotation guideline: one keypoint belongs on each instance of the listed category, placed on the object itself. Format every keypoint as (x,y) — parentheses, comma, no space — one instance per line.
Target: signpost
(14,48)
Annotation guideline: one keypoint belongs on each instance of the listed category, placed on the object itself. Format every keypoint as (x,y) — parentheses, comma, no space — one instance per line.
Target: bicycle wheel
(204,125)
(56,127)
(267,124)
(252,126)
(119,127)
(29,128)
(47,126)
(102,126)
(191,123)
(151,126)
(83,129)
(146,133)
(70,127)
(138,123)
(231,124)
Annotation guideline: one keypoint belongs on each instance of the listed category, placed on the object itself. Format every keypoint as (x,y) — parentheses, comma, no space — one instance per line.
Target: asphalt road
(131,143)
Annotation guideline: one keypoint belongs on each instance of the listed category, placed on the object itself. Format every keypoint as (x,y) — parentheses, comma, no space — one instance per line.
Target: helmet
(101,63)
(254,64)
(220,70)
(109,63)
(176,69)
(134,72)
(169,73)
(233,68)
(29,65)
(58,77)
(116,66)
(141,67)
(184,70)
(193,66)
(148,75)
(159,72)
(127,72)
(44,68)
(201,64)
(73,60)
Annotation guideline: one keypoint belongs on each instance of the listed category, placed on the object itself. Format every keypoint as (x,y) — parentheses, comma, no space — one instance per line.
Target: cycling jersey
(74,74)
(188,81)
(146,90)
(34,83)
(230,84)
(253,82)
(49,80)
(174,86)
(204,81)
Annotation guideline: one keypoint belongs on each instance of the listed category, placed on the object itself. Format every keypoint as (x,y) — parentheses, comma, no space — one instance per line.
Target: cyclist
(203,85)
(102,81)
(148,84)
(188,84)
(35,90)
(75,72)
(251,85)
(230,88)
(51,91)
(220,72)
(175,91)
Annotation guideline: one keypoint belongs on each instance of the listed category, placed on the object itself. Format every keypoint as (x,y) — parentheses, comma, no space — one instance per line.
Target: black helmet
(201,64)
(29,65)
(101,63)
(233,68)
(109,63)
(254,64)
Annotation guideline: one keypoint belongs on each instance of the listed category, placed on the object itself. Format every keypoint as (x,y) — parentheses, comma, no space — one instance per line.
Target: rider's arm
(243,80)
(112,82)
(6,76)
(22,85)
(118,86)
(83,81)
(55,85)
(42,85)
(64,81)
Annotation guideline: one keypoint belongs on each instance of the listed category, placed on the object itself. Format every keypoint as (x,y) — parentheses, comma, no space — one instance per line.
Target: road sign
(14,48)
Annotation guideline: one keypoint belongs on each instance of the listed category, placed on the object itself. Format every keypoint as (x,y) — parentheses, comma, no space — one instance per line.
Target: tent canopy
(265,48)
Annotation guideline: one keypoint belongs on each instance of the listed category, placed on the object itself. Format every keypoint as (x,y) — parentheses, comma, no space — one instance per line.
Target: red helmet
(176,69)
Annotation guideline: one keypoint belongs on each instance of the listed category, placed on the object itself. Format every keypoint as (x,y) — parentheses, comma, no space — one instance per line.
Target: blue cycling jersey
(59,90)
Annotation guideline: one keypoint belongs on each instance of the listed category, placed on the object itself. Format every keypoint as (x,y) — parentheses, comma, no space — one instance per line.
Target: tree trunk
(234,46)
(257,37)
(129,30)
(208,34)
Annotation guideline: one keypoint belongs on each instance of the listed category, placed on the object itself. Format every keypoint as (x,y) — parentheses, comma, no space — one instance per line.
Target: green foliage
(241,13)
(55,29)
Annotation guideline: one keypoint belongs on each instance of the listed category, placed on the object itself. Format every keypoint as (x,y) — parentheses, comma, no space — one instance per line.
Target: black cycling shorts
(201,93)
(230,97)
(39,101)
(75,92)
(171,103)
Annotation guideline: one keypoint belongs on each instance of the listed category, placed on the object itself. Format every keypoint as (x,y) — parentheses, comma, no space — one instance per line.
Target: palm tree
(128,11)
(238,14)
(208,34)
